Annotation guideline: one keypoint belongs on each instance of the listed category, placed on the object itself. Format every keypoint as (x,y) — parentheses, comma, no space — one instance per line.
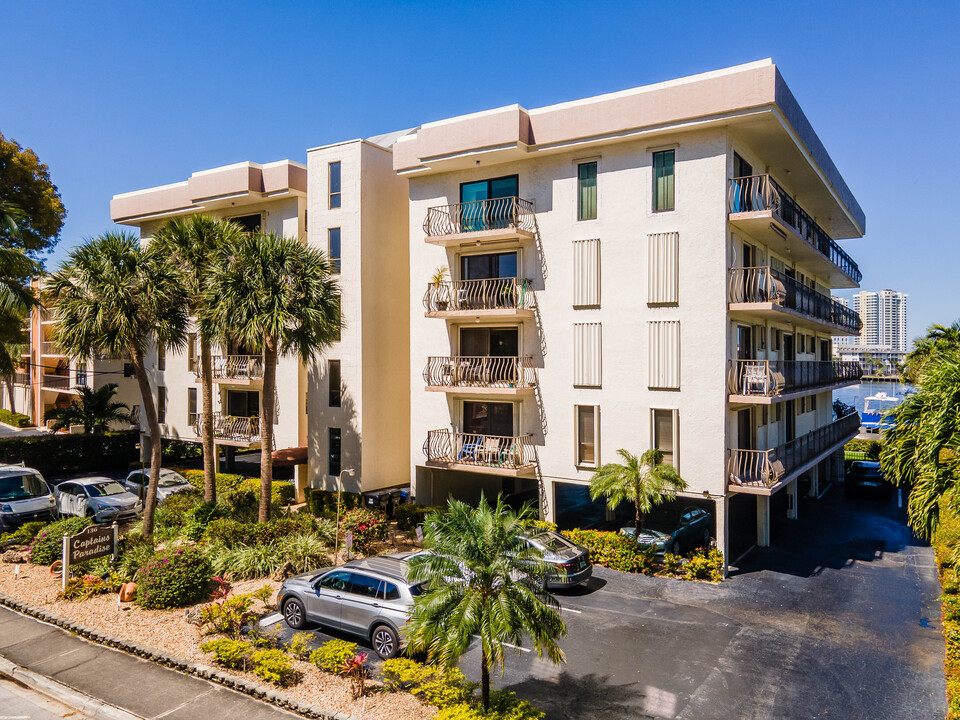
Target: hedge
(409,515)
(60,454)
(282,492)
(870,448)
(945,541)
(613,550)
(16,419)
(323,502)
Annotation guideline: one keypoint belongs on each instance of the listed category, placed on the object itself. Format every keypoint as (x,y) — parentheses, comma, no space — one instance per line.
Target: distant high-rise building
(844,340)
(884,316)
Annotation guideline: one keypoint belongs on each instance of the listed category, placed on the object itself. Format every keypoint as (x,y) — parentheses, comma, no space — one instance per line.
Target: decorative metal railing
(51,348)
(765,468)
(233,367)
(764,284)
(496,214)
(56,382)
(495,451)
(480,371)
(770,378)
(761,192)
(486,294)
(228,427)
(21,378)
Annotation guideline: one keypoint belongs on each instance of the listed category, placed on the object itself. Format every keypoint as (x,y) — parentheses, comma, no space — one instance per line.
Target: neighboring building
(843,340)
(627,271)
(873,359)
(884,316)
(353,190)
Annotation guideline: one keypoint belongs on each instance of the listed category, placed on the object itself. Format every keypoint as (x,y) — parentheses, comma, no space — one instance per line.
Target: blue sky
(119,96)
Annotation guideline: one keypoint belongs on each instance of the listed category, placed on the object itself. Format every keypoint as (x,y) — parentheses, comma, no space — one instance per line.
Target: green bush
(705,565)
(409,515)
(134,553)
(304,551)
(871,448)
(331,656)
(88,586)
(503,706)
(323,503)
(299,645)
(230,532)
(173,514)
(274,667)
(47,546)
(174,578)
(282,492)
(227,617)
(367,527)
(58,453)
(438,686)
(176,450)
(229,653)
(18,420)
(24,534)
(614,550)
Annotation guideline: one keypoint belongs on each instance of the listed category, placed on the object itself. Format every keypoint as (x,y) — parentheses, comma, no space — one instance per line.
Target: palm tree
(922,449)
(13,340)
(191,244)
(277,296)
(96,410)
(16,271)
(937,337)
(645,481)
(115,297)
(478,570)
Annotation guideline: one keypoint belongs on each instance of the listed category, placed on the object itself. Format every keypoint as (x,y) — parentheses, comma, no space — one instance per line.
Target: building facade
(884,316)
(629,271)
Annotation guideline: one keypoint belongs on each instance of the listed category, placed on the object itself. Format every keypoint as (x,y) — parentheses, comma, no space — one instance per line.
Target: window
(81,374)
(776,340)
(333,250)
(813,402)
(665,424)
(334,180)
(778,414)
(191,406)
(663,180)
(490,204)
(338,581)
(488,266)
(248,223)
(243,403)
(741,168)
(587,354)
(803,405)
(333,440)
(390,591)
(488,418)
(760,332)
(765,416)
(586,273)
(587,191)
(161,404)
(161,357)
(803,343)
(664,361)
(663,268)
(129,370)
(587,434)
(365,585)
(191,352)
(333,381)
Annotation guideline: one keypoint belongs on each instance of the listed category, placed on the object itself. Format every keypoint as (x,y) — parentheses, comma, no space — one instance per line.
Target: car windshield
(549,543)
(664,521)
(102,489)
(22,487)
(169,478)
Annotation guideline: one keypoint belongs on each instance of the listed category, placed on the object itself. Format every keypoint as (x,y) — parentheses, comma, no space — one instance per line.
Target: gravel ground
(168,630)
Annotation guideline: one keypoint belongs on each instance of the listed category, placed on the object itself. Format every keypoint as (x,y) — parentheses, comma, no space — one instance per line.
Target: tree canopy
(31,207)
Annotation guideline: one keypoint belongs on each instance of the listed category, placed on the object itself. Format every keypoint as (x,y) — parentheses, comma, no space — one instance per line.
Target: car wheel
(385,641)
(91,514)
(294,614)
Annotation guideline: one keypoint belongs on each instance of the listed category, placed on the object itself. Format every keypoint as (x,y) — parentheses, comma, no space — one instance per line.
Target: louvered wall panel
(663,268)
(664,336)
(587,355)
(586,273)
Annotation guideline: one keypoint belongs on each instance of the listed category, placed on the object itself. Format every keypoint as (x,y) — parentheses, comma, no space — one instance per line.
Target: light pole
(336,542)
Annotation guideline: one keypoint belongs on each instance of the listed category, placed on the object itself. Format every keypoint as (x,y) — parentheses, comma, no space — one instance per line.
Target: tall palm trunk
(153,423)
(9,383)
(484,681)
(267,410)
(209,458)
(638,522)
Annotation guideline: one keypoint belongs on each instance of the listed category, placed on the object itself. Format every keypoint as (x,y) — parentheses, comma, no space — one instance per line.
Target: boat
(875,408)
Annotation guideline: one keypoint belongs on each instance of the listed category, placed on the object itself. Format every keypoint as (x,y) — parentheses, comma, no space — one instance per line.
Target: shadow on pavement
(568,697)
(588,588)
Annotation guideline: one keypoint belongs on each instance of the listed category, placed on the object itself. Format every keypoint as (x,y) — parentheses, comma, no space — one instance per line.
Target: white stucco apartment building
(632,270)
(344,201)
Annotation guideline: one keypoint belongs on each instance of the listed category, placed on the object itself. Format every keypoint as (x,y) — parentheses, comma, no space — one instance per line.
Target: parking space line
(517,647)
(567,609)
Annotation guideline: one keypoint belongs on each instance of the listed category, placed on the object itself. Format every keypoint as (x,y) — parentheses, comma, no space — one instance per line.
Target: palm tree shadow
(570,697)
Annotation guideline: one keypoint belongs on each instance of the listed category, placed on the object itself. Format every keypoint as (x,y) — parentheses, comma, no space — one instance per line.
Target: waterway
(855,394)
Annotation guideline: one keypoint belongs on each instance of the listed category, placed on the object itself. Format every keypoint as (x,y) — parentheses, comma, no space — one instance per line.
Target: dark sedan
(571,561)
(672,531)
(864,477)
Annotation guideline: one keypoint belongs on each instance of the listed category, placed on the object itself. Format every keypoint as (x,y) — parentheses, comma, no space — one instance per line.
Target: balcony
(480,375)
(770,293)
(494,298)
(512,456)
(51,349)
(230,430)
(53,381)
(21,378)
(760,207)
(763,472)
(234,369)
(480,221)
(766,381)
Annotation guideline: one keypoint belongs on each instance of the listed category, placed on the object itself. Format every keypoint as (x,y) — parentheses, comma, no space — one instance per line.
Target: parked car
(672,531)
(171,482)
(572,562)
(864,477)
(24,497)
(100,498)
(370,598)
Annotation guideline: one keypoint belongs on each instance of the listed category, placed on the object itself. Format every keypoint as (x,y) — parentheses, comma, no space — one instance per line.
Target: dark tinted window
(339,580)
(364,585)
(419,589)
(22,487)
(136,479)
(249,223)
(392,592)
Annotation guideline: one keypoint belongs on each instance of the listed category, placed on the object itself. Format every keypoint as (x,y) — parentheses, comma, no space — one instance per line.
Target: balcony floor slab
(494,314)
(793,474)
(486,391)
(779,313)
(796,394)
(528,471)
(481,237)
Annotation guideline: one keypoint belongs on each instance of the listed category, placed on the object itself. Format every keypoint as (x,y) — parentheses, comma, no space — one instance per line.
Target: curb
(264,693)
(84,704)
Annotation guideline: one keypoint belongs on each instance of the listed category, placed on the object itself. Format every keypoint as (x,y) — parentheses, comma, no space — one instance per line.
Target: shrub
(438,686)
(228,617)
(332,655)
(304,551)
(614,550)
(503,706)
(274,666)
(672,564)
(323,503)
(47,546)
(173,513)
(18,420)
(88,586)
(174,578)
(705,565)
(543,526)
(282,492)
(230,532)
(299,645)
(175,450)
(197,520)
(355,668)
(870,448)
(229,653)
(134,553)
(367,527)
(57,453)
(409,515)
(24,534)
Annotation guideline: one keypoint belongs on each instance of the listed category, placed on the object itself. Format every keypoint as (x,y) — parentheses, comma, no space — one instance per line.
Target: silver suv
(370,598)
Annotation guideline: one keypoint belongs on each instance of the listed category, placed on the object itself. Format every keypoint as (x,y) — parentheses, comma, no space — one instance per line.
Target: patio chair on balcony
(755,380)
(492,451)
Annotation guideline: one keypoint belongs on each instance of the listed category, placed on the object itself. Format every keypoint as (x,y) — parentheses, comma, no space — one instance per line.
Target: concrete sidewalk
(132,684)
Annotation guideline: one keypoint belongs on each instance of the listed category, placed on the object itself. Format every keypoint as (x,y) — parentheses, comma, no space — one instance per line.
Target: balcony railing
(56,382)
(491,451)
(233,367)
(479,371)
(497,214)
(765,468)
(770,378)
(51,348)
(228,427)
(486,294)
(21,378)
(761,192)
(766,285)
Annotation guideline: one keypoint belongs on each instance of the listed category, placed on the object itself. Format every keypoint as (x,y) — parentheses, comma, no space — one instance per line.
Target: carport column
(763,521)
(792,497)
(815,480)
(722,531)
(300,481)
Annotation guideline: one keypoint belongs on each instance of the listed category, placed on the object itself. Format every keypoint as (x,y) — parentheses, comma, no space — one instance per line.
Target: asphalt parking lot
(839,620)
